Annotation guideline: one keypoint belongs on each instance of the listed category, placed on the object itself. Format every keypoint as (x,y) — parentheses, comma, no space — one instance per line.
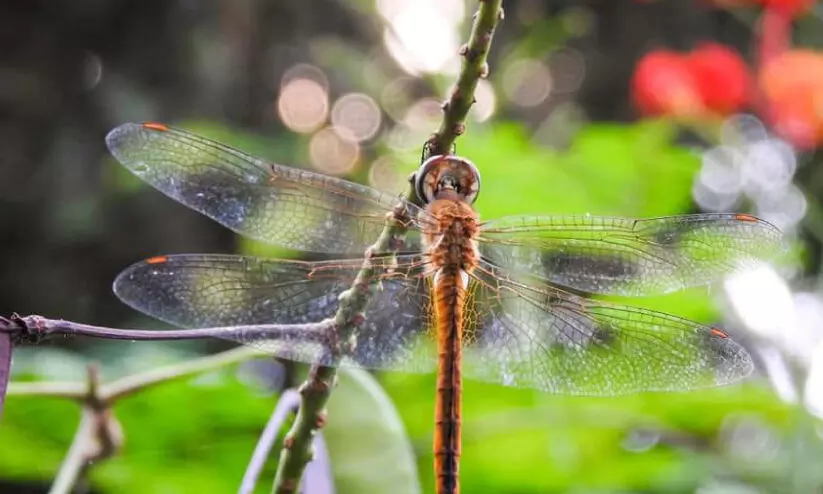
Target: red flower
(663,85)
(791,7)
(722,76)
(788,7)
(711,80)
(792,85)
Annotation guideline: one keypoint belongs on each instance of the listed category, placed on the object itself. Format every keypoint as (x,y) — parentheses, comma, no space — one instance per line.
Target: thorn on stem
(459,129)
(463,50)
(288,485)
(396,243)
(363,288)
(400,212)
(484,70)
(344,296)
(288,441)
(321,419)
(314,385)
(322,386)
(350,346)
(444,106)
(357,319)
(500,14)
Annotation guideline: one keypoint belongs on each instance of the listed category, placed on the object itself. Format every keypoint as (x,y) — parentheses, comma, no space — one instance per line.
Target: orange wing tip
(156,126)
(746,217)
(719,333)
(157,260)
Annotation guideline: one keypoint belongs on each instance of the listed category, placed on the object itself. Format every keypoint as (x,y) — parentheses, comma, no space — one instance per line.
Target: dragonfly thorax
(452,248)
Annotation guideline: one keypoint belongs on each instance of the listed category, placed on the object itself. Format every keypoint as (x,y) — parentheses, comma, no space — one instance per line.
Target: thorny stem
(288,402)
(315,392)
(474,67)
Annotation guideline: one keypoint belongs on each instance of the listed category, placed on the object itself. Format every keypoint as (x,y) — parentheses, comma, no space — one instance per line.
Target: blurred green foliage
(78,68)
(197,436)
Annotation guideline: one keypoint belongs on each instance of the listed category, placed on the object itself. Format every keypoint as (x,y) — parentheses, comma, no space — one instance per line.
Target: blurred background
(611,107)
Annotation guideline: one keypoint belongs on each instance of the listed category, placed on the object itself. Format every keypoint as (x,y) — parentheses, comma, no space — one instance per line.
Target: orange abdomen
(449,296)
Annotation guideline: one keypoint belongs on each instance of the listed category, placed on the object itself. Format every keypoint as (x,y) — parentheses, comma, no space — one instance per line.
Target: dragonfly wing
(396,334)
(293,208)
(212,290)
(631,257)
(202,290)
(540,337)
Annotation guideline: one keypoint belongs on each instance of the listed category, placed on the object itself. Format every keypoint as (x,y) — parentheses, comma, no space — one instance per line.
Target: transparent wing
(517,333)
(205,290)
(528,335)
(292,208)
(630,256)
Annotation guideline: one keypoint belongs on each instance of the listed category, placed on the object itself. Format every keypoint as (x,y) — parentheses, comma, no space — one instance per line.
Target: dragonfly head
(445,175)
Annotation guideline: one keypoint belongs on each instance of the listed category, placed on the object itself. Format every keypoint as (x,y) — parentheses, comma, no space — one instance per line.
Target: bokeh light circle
(384,174)
(770,165)
(303,105)
(527,82)
(568,69)
(334,151)
(423,114)
(721,170)
(358,113)
(742,129)
(486,102)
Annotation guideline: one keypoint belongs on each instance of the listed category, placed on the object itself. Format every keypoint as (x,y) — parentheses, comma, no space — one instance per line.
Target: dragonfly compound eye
(447,173)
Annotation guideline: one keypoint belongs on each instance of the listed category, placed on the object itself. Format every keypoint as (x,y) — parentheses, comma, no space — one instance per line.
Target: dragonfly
(513,301)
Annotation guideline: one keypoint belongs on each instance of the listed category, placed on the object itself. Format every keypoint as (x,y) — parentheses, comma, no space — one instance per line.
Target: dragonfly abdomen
(449,299)
(453,253)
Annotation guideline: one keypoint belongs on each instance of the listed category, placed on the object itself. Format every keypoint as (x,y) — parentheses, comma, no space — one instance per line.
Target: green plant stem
(98,437)
(315,392)
(73,466)
(129,385)
(112,392)
(474,66)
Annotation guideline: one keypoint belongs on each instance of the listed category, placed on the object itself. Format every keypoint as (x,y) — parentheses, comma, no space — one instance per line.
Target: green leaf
(195,435)
(368,445)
